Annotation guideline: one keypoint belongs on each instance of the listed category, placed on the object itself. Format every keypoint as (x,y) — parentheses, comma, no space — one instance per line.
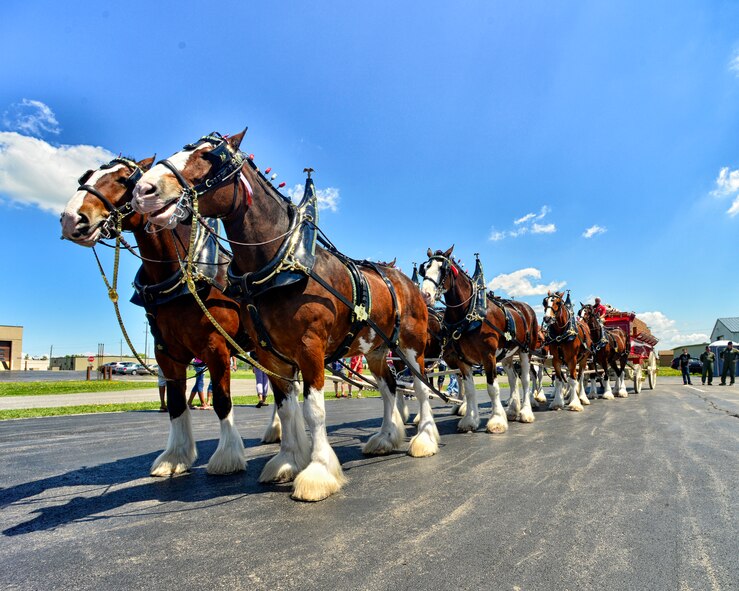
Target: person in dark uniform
(707,359)
(729,357)
(685,367)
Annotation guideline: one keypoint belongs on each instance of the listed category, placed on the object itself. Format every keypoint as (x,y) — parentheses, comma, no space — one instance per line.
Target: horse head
(554,306)
(102,195)
(438,273)
(196,169)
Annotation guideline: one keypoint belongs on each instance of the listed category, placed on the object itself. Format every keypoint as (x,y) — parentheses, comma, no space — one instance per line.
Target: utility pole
(146,342)
(120,358)
(51,351)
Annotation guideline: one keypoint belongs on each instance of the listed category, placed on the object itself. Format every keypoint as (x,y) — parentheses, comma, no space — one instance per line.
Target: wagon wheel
(637,378)
(652,370)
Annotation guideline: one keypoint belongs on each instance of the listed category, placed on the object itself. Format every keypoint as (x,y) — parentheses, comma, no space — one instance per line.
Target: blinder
(107,227)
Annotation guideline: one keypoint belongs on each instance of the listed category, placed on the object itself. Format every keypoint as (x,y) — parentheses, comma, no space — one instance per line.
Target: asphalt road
(639,493)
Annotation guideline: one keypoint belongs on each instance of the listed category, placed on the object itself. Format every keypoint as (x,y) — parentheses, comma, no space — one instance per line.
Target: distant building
(11,347)
(726,329)
(80,362)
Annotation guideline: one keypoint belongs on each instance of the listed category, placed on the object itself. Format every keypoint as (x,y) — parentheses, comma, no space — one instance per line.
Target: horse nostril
(144,189)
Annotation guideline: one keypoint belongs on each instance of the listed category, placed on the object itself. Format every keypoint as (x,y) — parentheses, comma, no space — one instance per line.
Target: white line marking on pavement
(696,389)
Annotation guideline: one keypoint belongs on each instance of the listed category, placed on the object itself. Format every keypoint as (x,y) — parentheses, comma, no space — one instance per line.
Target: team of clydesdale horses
(311,313)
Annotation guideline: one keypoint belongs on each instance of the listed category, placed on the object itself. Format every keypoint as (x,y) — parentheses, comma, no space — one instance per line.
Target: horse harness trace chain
(293,262)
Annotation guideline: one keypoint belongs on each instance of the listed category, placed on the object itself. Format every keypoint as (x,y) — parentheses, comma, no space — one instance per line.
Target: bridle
(227,163)
(550,322)
(447,266)
(109,226)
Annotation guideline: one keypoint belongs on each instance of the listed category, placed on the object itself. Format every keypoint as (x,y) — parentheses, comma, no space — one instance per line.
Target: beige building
(11,347)
(80,362)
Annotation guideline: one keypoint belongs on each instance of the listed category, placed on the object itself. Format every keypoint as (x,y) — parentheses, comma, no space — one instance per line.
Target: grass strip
(70,387)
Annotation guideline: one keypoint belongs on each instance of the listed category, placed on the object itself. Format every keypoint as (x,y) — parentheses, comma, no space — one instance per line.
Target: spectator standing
(729,357)
(198,386)
(356,365)
(339,373)
(262,387)
(162,384)
(453,387)
(707,359)
(599,309)
(685,367)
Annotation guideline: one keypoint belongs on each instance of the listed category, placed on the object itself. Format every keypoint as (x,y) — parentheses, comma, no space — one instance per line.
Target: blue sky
(428,123)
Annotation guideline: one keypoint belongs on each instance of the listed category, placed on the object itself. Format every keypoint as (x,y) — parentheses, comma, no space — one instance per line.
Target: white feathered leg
(497,423)
(558,403)
(402,407)
(607,392)
(323,476)
(471,419)
(514,402)
(426,441)
(294,453)
(574,403)
(526,415)
(392,431)
(621,381)
(180,453)
(230,455)
(581,390)
(273,433)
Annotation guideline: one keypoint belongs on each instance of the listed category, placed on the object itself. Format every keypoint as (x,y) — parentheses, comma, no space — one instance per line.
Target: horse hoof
(496,425)
(379,444)
(622,394)
(423,445)
(316,483)
(607,396)
(556,406)
(526,417)
(575,408)
(585,402)
(468,425)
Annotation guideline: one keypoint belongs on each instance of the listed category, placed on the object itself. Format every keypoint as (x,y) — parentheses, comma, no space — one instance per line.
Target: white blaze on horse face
(548,310)
(71,215)
(433,274)
(167,187)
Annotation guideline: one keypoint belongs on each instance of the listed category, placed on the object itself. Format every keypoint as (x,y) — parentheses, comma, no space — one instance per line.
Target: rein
(113,290)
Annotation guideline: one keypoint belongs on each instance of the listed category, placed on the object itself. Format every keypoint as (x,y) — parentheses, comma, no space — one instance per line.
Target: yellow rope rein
(113,290)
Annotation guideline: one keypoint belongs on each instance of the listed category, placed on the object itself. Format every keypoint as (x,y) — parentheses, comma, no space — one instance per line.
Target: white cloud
(593,230)
(666,330)
(543,229)
(526,218)
(523,227)
(34,172)
(328,198)
(518,284)
(31,117)
(727,184)
(734,63)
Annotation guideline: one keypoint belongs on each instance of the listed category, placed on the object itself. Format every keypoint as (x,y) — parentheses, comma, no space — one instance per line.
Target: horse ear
(582,305)
(448,253)
(549,292)
(146,163)
(429,253)
(235,140)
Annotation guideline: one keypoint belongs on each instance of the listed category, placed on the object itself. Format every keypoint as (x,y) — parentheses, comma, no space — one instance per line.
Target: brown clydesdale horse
(181,329)
(610,349)
(304,321)
(483,341)
(569,341)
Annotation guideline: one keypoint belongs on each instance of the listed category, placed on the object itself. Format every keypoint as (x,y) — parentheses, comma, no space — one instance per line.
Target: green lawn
(71,387)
